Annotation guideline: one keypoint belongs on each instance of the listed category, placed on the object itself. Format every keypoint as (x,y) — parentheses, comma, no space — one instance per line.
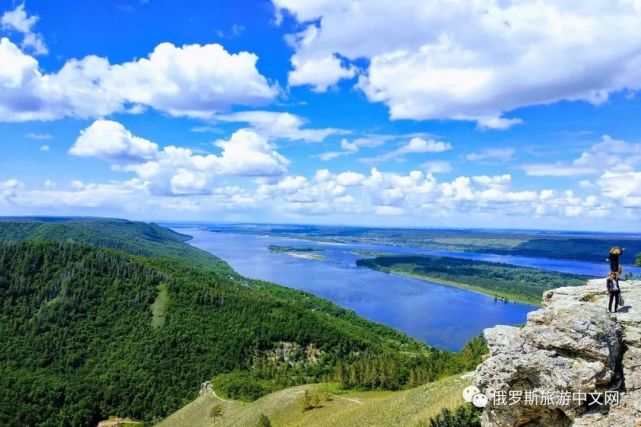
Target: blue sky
(501,114)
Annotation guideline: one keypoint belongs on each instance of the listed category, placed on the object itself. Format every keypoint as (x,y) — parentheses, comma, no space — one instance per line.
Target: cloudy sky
(484,113)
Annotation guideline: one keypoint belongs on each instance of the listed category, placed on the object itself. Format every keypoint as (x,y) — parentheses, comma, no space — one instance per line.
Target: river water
(442,316)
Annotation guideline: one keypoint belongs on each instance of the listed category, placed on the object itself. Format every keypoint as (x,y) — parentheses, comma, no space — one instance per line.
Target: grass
(120,422)
(354,408)
(159,307)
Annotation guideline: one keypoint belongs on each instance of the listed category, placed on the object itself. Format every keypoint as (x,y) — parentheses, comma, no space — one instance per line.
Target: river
(442,316)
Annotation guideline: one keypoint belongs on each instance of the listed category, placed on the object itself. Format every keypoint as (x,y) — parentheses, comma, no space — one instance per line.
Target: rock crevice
(572,345)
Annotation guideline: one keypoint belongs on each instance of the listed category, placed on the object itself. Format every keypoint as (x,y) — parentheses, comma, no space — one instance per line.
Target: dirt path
(347,398)
(220,398)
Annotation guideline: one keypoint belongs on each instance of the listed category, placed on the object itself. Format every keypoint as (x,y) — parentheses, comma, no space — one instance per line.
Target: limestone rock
(572,345)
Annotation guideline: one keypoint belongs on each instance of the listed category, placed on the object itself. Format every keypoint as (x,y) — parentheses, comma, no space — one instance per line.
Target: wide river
(441,316)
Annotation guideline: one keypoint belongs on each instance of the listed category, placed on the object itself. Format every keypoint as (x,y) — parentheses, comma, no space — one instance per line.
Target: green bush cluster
(463,416)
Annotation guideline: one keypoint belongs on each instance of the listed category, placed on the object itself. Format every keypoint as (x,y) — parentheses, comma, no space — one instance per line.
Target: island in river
(298,252)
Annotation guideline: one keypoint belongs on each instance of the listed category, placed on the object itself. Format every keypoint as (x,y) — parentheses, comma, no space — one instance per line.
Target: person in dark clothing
(614,290)
(615,265)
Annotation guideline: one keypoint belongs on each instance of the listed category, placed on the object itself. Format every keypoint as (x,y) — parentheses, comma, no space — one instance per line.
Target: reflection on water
(440,315)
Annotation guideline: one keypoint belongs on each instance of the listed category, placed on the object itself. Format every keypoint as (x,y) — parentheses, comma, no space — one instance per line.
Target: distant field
(501,280)
(413,407)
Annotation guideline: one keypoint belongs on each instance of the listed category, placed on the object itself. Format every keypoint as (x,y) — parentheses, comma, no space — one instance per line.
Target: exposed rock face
(569,346)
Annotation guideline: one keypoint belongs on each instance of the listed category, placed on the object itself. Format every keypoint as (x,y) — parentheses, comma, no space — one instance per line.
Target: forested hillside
(137,238)
(89,332)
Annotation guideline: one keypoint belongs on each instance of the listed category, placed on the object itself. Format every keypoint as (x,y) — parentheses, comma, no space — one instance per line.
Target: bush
(242,385)
(263,421)
(464,416)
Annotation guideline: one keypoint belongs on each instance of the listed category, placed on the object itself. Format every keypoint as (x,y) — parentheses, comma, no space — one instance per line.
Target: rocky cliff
(572,364)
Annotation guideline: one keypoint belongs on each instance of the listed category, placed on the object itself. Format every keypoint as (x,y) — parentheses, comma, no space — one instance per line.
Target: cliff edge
(572,364)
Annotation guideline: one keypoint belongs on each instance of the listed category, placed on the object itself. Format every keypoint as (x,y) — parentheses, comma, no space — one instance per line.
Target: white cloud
(44,148)
(109,140)
(624,187)
(420,145)
(556,169)
(498,123)
(205,129)
(608,154)
(9,188)
(41,136)
(586,184)
(416,145)
(389,210)
(18,20)
(437,166)
(492,154)
(129,198)
(320,73)
(178,170)
(249,154)
(331,155)
(350,179)
(416,197)
(279,125)
(192,80)
(472,60)
(498,182)
(350,147)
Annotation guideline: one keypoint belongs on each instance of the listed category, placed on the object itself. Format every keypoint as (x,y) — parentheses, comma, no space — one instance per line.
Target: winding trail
(347,398)
(213,393)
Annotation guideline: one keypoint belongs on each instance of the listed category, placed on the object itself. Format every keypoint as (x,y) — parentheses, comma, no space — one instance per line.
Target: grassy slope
(402,408)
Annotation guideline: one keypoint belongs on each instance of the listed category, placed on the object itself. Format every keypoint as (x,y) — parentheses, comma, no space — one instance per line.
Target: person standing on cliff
(615,265)
(614,290)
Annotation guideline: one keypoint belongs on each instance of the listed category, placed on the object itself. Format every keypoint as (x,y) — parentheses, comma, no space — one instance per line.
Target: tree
(216,411)
(463,416)
(307,401)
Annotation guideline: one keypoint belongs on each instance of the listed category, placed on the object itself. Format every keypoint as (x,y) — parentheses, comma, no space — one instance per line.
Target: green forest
(506,281)
(104,318)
